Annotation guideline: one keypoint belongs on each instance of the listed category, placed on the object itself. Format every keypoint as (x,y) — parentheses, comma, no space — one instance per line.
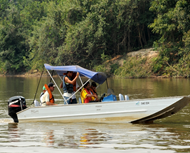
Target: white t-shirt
(44,98)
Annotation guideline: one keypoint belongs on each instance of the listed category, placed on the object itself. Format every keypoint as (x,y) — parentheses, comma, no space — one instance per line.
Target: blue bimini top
(98,77)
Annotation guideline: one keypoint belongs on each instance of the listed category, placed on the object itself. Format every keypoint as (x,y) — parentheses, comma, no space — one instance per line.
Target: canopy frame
(94,76)
(57,86)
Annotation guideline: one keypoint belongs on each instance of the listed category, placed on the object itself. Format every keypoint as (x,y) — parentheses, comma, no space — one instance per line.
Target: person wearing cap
(42,93)
(67,86)
(93,91)
(47,98)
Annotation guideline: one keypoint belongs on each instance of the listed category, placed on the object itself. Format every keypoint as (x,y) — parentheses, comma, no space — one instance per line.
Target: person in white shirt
(47,98)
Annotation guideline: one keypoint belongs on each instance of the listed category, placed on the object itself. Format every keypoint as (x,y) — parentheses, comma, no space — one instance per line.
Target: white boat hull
(135,111)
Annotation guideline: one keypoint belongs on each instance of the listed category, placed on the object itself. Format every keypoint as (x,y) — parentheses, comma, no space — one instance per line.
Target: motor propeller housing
(16,104)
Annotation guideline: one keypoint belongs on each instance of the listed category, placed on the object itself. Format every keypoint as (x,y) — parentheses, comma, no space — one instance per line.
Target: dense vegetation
(89,32)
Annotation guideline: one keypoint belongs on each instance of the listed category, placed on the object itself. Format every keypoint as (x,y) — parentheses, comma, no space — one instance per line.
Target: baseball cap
(44,88)
(51,84)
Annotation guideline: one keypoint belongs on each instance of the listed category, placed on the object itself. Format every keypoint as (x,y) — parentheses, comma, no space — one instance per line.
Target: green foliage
(173,25)
(105,57)
(15,27)
(70,31)
(157,64)
(114,67)
(100,68)
(134,67)
(89,33)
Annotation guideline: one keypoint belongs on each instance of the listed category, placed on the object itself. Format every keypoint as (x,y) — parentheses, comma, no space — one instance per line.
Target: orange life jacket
(51,98)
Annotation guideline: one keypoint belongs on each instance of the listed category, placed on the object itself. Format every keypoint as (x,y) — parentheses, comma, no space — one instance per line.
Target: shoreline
(118,62)
(27,75)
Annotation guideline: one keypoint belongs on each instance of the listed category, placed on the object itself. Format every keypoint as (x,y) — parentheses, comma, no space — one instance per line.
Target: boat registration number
(34,111)
(142,103)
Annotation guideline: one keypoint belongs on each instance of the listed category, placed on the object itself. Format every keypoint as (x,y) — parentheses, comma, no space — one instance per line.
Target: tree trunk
(129,41)
(140,37)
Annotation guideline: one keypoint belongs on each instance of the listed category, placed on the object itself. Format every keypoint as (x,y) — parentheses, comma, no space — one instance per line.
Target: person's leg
(74,101)
(66,100)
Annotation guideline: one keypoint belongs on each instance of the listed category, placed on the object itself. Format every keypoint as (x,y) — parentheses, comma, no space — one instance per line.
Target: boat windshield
(110,92)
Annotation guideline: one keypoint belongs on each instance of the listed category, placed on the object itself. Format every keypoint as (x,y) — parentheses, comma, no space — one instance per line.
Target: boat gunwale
(102,103)
(89,114)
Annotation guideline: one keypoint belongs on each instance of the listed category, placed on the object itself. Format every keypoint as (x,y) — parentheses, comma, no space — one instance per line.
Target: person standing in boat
(67,86)
(47,98)
(86,95)
(75,88)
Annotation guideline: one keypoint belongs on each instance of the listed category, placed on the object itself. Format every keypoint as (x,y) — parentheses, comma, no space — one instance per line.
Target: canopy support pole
(79,88)
(59,76)
(38,85)
(81,80)
(82,85)
(51,75)
(57,86)
(107,84)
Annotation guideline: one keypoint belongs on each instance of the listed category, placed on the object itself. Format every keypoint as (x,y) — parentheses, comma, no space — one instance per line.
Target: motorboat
(109,110)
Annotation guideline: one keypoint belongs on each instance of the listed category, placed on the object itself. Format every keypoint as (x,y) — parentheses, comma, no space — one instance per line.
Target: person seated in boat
(93,90)
(47,98)
(67,86)
(42,93)
(86,95)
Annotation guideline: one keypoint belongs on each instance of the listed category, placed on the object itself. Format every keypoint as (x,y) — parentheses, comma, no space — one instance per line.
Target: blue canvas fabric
(98,77)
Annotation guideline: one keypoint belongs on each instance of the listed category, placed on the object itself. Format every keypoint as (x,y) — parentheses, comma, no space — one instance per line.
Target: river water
(168,135)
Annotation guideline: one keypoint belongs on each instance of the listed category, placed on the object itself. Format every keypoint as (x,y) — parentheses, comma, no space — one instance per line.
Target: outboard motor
(16,104)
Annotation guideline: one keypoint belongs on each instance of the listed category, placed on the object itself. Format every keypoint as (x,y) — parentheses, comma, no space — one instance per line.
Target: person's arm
(47,100)
(61,85)
(73,81)
(49,103)
(90,95)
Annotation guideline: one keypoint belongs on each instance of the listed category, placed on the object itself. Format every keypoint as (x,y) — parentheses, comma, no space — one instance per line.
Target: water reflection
(106,137)
(49,138)
(13,132)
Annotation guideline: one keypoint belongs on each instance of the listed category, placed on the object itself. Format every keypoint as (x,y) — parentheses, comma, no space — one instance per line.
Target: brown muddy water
(169,135)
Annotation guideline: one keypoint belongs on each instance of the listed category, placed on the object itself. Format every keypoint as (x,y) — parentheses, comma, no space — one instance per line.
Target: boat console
(109,98)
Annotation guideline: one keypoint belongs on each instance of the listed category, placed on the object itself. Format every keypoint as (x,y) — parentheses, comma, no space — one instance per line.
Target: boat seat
(36,103)
(80,102)
(121,97)
(126,97)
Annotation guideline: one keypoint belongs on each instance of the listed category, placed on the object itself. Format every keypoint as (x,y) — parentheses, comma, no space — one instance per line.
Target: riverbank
(113,67)
(144,63)
(136,64)
(27,74)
